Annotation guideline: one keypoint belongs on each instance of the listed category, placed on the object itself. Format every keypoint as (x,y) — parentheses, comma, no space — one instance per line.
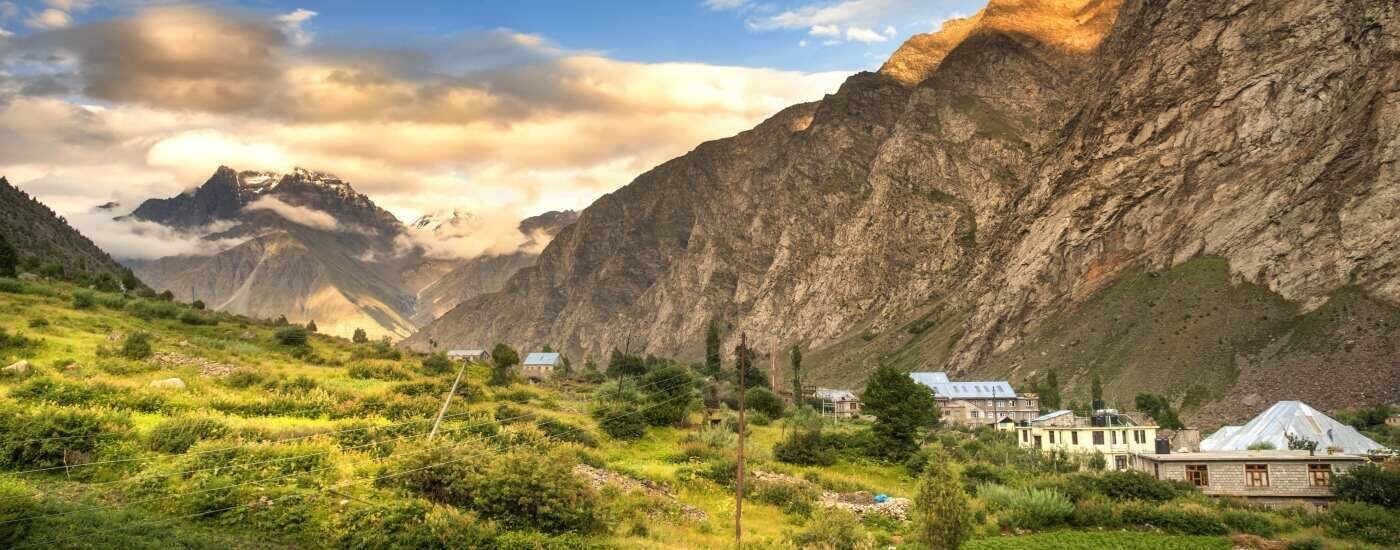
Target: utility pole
(447,401)
(743,364)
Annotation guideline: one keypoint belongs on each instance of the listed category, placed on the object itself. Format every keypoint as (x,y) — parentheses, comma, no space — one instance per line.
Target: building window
(1256,475)
(1320,475)
(1141,436)
(1025,436)
(1113,437)
(1074,437)
(1196,474)
(1098,437)
(1052,438)
(974,414)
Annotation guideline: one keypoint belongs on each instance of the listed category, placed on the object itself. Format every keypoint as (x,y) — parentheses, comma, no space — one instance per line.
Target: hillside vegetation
(142,423)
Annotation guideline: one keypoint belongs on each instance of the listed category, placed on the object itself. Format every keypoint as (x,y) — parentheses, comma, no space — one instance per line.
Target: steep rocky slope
(982,193)
(40,236)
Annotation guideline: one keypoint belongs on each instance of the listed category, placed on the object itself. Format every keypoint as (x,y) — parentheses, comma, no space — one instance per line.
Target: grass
(1073,540)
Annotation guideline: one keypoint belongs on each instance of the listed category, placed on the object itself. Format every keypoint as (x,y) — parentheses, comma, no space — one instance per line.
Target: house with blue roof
(978,403)
(540,365)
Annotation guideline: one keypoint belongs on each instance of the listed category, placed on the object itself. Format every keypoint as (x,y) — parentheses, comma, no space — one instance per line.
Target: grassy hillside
(273,445)
(46,243)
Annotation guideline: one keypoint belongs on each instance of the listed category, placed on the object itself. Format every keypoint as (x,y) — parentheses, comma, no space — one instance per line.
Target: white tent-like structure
(1293,418)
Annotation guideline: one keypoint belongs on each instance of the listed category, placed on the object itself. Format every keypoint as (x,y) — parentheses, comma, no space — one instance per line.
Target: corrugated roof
(465,352)
(942,387)
(1295,418)
(1250,455)
(541,359)
(1048,416)
(835,395)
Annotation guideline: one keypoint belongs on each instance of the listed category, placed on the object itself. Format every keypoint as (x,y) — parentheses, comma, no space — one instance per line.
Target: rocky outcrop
(997,177)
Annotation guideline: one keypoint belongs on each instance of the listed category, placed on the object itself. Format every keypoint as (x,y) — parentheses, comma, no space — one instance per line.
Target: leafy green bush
(833,529)
(136,345)
(1028,509)
(1095,511)
(1254,523)
(291,336)
(84,299)
(1174,519)
(16,341)
(195,318)
(243,379)
(38,322)
(765,401)
(437,364)
(177,435)
(376,372)
(1135,485)
(61,392)
(1370,484)
(1366,522)
(1309,543)
(559,430)
(1261,446)
(47,437)
(111,301)
(796,499)
(808,448)
(17,511)
(147,310)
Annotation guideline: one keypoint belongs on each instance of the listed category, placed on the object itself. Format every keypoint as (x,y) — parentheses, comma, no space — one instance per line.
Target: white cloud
(292,25)
(49,19)
(193,154)
(309,217)
(725,5)
(839,13)
(802,43)
(889,30)
(143,240)
(860,34)
(5,33)
(825,30)
(491,232)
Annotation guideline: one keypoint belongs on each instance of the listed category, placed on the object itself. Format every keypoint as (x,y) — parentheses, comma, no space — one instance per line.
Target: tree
(901,407)
(672,394)
(129,280)
(311,326)
(9,258)
(197,304)
(1050,392)
(167,296)
(942,510)
(622,365)
(713,362)
(1159,409)
(504,357)
(1096,391)
(764,401)
(437,364)
(137,345)
(360,337)
(797,376)
(744,360)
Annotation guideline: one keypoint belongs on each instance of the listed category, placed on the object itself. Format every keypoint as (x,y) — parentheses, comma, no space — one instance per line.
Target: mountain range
(44,241)
(307,245)
(1163,193)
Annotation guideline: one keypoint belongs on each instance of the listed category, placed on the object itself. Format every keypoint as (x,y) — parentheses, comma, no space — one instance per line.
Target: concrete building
(1117,436)
(1265,477)
(978,403)
(1293,420)
(469,355)
(838,403)
(538,366)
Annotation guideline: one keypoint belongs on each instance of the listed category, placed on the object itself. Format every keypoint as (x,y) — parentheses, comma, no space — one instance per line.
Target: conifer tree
(797,395)
(942,510)
(1096,391)
(9,258)
(712,353)
(360,337)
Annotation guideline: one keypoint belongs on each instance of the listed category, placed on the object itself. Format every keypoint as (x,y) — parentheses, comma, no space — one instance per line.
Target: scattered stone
(861,503)
(27,276)
(114,336)
(206,367)
(19,368)
(598,477)
(248,335)
(168,384)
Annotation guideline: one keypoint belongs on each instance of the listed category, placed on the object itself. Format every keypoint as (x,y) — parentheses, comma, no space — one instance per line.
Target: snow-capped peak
(453,220)
(258,182)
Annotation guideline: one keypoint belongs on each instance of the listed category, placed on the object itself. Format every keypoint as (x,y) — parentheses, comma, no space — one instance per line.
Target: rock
(18,368)
(206,367)
(598,477)
(27,276)
(168,384)
(248,335)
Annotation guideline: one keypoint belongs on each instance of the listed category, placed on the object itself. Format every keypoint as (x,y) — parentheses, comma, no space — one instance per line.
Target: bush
(192,317)
(177,435)
(147,310)
(136,346)
(437,364)
(807,448)
(1309,543)
(1095,512)
(84,299)
(376,372)
(1174,519)
(17,510)
(1261,446)
(620,420)
(1254,523)
(1029,509)
(1366,522)
(833,529)
(48,437)
(1135,485)
(38,322)
(795,499)
(1370,484)
(559,430)
(291,336)
(243,379)
(765,401)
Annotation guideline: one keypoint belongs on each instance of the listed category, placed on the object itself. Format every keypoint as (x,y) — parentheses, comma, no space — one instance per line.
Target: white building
(538,366)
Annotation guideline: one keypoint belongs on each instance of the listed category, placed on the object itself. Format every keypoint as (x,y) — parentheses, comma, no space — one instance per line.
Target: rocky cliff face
(997,182)
(39,236)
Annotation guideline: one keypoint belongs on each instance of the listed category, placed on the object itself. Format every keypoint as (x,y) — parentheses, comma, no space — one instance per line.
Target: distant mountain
(42,237)
(1196,199)
(308,246)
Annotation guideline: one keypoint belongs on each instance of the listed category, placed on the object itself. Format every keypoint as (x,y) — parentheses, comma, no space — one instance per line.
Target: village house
(538,366)
(1117,436)
(978,403)
(469,355)
(1291,422)
(838,403)
(1270,477)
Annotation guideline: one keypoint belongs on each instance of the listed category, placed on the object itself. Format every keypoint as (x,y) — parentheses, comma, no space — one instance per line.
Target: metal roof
(466,352)
(1295,418)
(1246,456)
(942,387)
(541,359)
(835,395)
(1048,416)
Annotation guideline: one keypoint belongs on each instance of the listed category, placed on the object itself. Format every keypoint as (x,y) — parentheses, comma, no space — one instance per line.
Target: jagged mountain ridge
(41,236)
(999,175)
(309,247)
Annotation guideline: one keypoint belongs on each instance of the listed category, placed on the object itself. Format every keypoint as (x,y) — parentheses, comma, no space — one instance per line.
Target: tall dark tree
(625,365)
(671,391)
(797,395)
(503,357)
(1050,392)
(901,407)
(712,353)
(311,325)
(1096,391)
(9,259)
(745,360)
(360,337)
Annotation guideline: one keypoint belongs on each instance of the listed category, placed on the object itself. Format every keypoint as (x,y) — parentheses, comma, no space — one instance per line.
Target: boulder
(168,384)
(26,276)
(20,368)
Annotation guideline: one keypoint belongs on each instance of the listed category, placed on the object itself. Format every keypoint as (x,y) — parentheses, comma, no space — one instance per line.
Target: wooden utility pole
(743,364)
(447,401)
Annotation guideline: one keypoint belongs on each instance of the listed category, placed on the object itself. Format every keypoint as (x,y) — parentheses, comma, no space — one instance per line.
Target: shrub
(620,420)
(16,341)
(796,499)
(17,510)
(38,322)
(1135,485)
(437,364)
(805,447)
(1309,543)
(1030,509)
(671,398)
(147,310)
(48,437)
(291,336)
(833,529)
(243,379)
(559,430)
(111,301)
(177,435)
(136,346)
(942,511)
(1261,446)
(1366,522)
(1254,523)
(723,471)
(1174,519)
(377,372)
(1370,484)
(192,317)
(1095,512)
(84,299)
(765,401)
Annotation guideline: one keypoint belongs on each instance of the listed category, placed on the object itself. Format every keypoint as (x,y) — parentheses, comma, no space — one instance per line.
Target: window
(1196,474)
(1320,475)
(1074,437)
(974,414)
(1025,436)
(1052,438)
(1098,437)
(1256,475)
(1140,436)
(1113,437)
